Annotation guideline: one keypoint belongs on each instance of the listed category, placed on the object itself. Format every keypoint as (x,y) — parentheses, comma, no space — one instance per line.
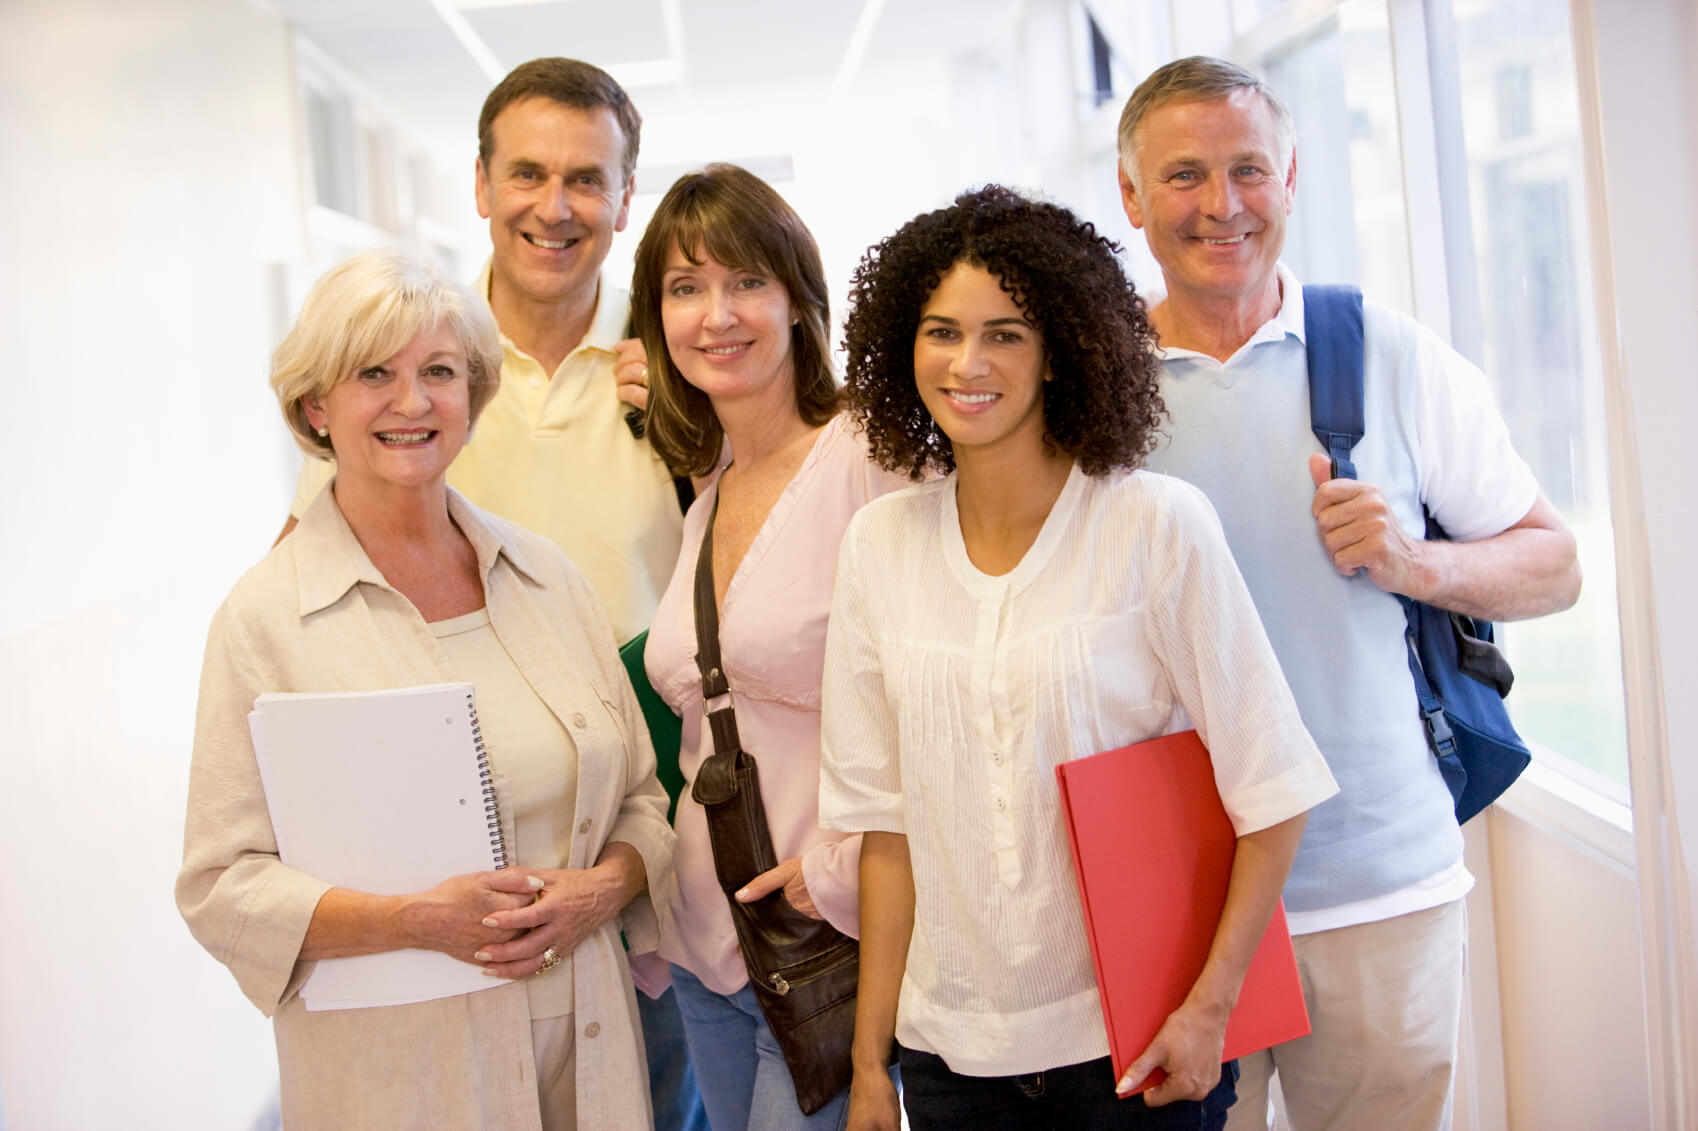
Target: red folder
(1153,850)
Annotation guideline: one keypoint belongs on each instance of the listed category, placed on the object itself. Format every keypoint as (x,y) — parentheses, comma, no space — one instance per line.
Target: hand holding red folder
(1153,849)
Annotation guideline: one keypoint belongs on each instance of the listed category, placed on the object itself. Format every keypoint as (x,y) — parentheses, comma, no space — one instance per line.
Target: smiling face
(979,365)
(400,422)
(728,330)
(554,192)
(1212,195)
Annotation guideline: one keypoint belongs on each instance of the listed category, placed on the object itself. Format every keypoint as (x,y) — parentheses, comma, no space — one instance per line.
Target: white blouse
(951,696)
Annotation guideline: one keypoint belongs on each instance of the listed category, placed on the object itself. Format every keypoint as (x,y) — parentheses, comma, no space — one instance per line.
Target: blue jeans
(739,1068)
(672,1085)
(1076,1095)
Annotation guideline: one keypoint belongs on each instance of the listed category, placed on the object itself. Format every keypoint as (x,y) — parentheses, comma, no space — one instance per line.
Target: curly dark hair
(1101,408)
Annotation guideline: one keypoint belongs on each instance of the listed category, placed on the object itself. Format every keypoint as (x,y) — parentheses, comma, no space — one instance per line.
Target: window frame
(1441,256)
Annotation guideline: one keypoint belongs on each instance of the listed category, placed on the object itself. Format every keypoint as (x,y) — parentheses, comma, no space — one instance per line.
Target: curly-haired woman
(1043,601)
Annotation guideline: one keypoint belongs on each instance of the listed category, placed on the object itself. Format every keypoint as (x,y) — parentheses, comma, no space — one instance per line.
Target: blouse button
(584,828)
(536,382)
(592,1030)
(578,720)
(1001,804)
(996,756)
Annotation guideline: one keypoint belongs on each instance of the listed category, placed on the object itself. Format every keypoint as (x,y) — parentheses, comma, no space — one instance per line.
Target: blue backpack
(1460,675)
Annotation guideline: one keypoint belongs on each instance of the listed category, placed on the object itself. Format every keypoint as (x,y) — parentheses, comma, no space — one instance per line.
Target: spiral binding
(491,811)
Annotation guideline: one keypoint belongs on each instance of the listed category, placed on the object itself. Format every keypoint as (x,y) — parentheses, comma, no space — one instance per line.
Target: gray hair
(1197,78)
(363,311)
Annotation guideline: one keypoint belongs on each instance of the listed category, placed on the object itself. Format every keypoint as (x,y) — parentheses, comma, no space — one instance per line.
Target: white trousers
(1385,1006)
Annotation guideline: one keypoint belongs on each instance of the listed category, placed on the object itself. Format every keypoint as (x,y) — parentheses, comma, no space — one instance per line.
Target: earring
(323,433)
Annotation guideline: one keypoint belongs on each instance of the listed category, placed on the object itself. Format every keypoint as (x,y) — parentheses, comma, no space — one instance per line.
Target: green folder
(665,729)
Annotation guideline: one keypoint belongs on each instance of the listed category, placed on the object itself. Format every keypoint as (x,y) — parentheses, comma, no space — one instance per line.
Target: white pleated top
(951,696)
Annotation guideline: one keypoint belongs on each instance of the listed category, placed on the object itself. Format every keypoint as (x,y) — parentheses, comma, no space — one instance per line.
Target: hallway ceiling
(431,60)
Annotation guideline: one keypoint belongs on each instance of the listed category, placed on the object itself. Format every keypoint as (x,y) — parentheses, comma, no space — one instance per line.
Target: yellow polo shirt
(555,454)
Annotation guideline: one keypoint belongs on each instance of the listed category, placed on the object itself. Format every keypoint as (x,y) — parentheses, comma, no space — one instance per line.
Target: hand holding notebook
(386,792)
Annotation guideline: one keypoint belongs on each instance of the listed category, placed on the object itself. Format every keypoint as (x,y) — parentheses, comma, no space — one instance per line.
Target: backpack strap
(1332,328)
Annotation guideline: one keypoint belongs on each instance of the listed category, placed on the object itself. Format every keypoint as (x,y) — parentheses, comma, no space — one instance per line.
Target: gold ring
(550,959)
(643,375)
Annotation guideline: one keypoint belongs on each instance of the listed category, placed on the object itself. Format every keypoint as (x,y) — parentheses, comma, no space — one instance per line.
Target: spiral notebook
(386,792)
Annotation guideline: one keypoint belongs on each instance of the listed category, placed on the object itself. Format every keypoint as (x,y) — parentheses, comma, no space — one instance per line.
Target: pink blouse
(772,638)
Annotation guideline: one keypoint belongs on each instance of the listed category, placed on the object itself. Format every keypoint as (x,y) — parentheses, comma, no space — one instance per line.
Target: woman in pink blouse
(729,297)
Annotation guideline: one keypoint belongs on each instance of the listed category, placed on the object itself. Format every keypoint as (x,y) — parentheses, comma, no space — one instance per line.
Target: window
(1337,82)
(1521,134)
(371,179)
(1520,290)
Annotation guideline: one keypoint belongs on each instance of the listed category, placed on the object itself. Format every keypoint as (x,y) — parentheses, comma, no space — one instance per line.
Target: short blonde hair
(363,311)
(1197,78)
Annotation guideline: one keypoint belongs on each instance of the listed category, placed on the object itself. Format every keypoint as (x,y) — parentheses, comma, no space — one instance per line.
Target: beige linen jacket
(315,615)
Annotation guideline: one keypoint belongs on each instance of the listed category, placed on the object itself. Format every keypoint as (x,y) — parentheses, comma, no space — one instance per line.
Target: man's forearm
(1529,570)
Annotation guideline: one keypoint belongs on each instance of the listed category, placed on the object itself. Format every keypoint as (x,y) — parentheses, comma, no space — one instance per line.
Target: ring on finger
(550,959)
(643,374)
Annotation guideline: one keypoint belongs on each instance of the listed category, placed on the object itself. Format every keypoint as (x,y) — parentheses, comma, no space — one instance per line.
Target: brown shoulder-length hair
(727,214)
(1101,405)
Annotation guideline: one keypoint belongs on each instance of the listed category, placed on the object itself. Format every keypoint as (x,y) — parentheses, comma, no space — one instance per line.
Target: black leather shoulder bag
(803,970)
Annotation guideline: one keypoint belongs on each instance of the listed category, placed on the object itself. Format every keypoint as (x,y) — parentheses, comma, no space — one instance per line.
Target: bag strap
(1332,329)
(722,720)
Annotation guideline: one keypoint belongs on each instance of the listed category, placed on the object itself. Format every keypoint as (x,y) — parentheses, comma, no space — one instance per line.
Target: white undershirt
(534,765)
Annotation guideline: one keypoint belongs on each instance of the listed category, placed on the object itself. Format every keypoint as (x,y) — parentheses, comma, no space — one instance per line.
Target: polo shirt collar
(329,560)
(607,325)
(1286,321)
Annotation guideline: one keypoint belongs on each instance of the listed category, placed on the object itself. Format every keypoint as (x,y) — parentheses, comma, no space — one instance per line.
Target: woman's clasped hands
(508,920)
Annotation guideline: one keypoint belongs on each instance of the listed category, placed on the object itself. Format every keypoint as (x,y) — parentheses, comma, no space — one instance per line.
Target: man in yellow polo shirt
(557,149)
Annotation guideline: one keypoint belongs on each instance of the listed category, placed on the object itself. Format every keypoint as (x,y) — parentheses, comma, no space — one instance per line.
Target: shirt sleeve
(1208,637)
(1472,479)
(244,905)
(832,872)
(315,473)
(641,818)
(860,766)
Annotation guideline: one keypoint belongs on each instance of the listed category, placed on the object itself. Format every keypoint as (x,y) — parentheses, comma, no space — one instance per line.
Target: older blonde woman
(390,580)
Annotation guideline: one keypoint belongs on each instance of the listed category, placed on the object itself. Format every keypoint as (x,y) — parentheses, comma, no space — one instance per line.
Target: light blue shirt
(1240,431)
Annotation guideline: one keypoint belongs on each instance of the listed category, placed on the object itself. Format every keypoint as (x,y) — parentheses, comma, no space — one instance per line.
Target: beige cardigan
(316,615)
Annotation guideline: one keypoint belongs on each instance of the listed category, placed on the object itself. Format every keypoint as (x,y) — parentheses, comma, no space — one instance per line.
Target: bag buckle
(1439,736)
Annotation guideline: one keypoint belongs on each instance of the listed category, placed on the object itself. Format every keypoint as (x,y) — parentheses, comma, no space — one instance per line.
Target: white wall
(1645,123)
(1569,982)
(148,193)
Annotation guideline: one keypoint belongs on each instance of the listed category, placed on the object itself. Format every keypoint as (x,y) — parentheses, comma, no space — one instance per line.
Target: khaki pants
(556,1049)
(1385,1004)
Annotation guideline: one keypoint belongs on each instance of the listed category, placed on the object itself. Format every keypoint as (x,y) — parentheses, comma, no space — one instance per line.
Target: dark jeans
(1075,1096)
